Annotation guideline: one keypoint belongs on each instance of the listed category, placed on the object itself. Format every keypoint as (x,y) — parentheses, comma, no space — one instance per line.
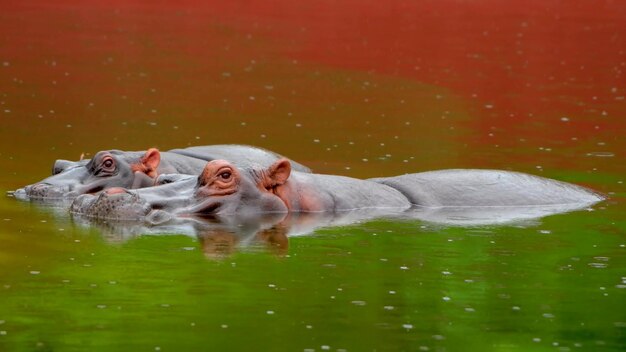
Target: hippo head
(106,169)
(221,189)
(224,189)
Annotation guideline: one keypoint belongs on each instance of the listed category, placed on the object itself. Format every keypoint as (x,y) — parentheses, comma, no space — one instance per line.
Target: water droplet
(601,154)
(598,265)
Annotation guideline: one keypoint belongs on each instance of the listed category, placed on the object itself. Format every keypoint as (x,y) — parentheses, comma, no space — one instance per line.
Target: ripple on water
(601,154)
(601,262)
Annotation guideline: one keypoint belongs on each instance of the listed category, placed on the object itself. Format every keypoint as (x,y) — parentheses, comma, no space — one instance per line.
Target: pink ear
(151,161)
(279,172)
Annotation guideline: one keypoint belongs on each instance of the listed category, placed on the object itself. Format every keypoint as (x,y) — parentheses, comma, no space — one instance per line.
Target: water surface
(362,89)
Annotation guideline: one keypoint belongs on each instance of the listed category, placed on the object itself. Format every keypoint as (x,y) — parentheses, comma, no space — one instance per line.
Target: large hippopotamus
(223,188)
(116,168)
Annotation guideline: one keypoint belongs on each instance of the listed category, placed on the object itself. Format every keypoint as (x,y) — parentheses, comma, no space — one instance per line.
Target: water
(361,89)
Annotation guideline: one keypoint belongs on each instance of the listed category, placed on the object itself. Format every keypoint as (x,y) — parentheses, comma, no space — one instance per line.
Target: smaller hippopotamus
(223,189)
(116,168)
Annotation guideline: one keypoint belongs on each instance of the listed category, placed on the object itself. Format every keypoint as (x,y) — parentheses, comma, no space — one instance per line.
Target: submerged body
(225,189)
(486,188)
(116,168)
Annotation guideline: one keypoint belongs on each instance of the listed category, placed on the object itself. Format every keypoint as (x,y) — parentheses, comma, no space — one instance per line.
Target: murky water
(362,89)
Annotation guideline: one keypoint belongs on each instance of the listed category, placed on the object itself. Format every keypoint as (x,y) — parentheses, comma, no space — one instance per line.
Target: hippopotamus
(224,189)
(116,168)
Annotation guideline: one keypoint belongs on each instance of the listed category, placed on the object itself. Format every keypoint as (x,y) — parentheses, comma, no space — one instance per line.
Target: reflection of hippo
(116,168)
(225,189)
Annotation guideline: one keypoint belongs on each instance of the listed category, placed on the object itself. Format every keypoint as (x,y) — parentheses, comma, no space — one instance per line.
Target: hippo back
(468,187)
(246,156)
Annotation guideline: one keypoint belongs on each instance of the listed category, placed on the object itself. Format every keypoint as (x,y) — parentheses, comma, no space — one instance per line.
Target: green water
(81,78)
(382,285)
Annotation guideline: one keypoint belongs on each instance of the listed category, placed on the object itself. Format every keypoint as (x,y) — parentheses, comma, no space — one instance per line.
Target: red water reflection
(520,60)
(556,65)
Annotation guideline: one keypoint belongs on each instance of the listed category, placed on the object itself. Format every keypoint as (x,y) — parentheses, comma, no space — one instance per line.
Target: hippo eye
(108,163)
(225,175)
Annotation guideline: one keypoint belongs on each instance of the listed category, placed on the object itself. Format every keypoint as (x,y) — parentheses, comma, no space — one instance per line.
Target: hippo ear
(60,166)
(151,161)
(279,172)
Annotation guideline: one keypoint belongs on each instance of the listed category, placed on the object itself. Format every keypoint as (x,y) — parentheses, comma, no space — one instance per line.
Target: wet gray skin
(132,170)
(487,188)
(223,189)
(155,205)
(189,197)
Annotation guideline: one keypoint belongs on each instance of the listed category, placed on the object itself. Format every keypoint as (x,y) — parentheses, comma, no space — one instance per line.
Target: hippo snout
(45,191)
(113,204)
(82,203)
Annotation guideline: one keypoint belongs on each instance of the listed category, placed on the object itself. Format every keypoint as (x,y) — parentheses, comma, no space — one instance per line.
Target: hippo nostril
(115,190)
